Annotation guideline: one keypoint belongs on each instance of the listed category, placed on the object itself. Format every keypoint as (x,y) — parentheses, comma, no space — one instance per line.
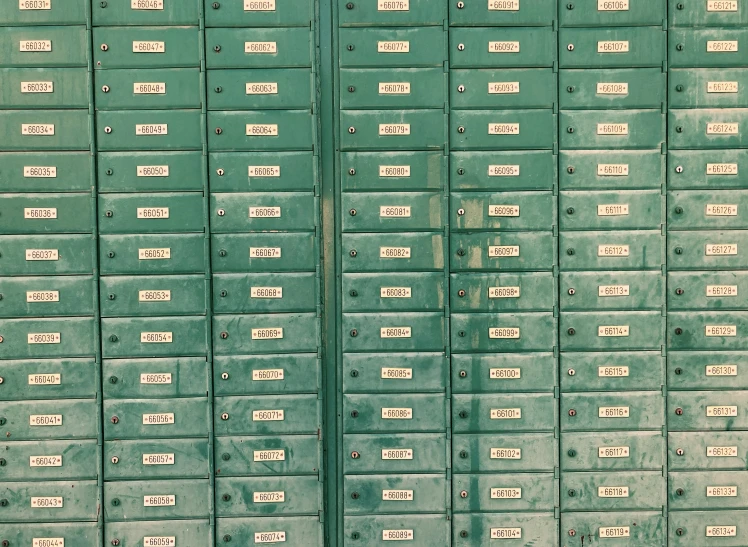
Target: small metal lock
(679,531)
(460,47)
(105,88)
(224,376)
(104,47)
(225,416)
(463,374)
(224,335)
(115,542)
(570,47)
(351,130)
(571,372)
(115,460)
(217,48)
(571,331)
(461,293)
(463,533)
(680,451)
(464,494)
(114,419)
(461,129)
(460,5)
(219,130)
(570,170)
(351,171)
(679,169)
(460,88)
(221,212)
(352,212)
(220,172)
(572,412)
(353,253)
(678,331)
(354,333)
(679,411)
(355,455)
(572,532)
(460,212)
(107,130)
(572,291)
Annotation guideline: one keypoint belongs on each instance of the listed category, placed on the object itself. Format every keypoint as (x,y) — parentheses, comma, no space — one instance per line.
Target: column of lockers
(611,256)
(395,455)
(503,256)
(50,463)
(707,242)
(154,287)
(264,210)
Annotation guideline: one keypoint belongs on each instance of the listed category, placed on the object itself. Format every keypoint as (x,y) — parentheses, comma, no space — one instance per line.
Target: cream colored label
(395,292)
(155,378)
(394,252)
(397,495)
(265,252)
(722,87)
(506,493)
(613,250)
(613,330)
(612,169)
(48,542)
(612,88)
(721,491)
(721,168)
(721,210)
(503,5)
(394,211)
(718,128)
(268,375)
(612,491)
(38,129)
(278,455)
(46,502)
(612,372)
(270,537)
(612,5)
(147,4)
(506,414)
(393,46)
(35,45)
(397,453)
(268,415)
(503,47)
(42,254)
(261,88)
(503,170)
(721,330)
(152,170)
(35,5)
(394,88)
(266,292)
(721,370)
(37,213)
(719,249)
(722,5)
(721,290)
(149,88)
(396,373)
(148,47)
(159,500)
(393,5)
(158,459)
(156,337)
(503,251)
(38,172)
(397,535)
(151,129)
(394,129)
(267,334)
(506,453)
(506,533)
(45,420)
(613,209)
(726,411)
(503,129)
(505,373)
(605,291)
(721,531)
(264,171)
(614,532)
(43,338)
(503,333)
(269,497)
(395,332)
(264,212)
(42,296)
(152,212)
(45,461)
(613,451)
(721,451)
(722,46)
(394,170)
(259,5)
(397,413)
(261,130)
(612,129)
(50,379)
(163,253)
(154,296)
(503,292)
(502,88)
(159,541)
(613,46)
(37,87)
(613,412)
(158,418)
(261,47)
(503,210)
